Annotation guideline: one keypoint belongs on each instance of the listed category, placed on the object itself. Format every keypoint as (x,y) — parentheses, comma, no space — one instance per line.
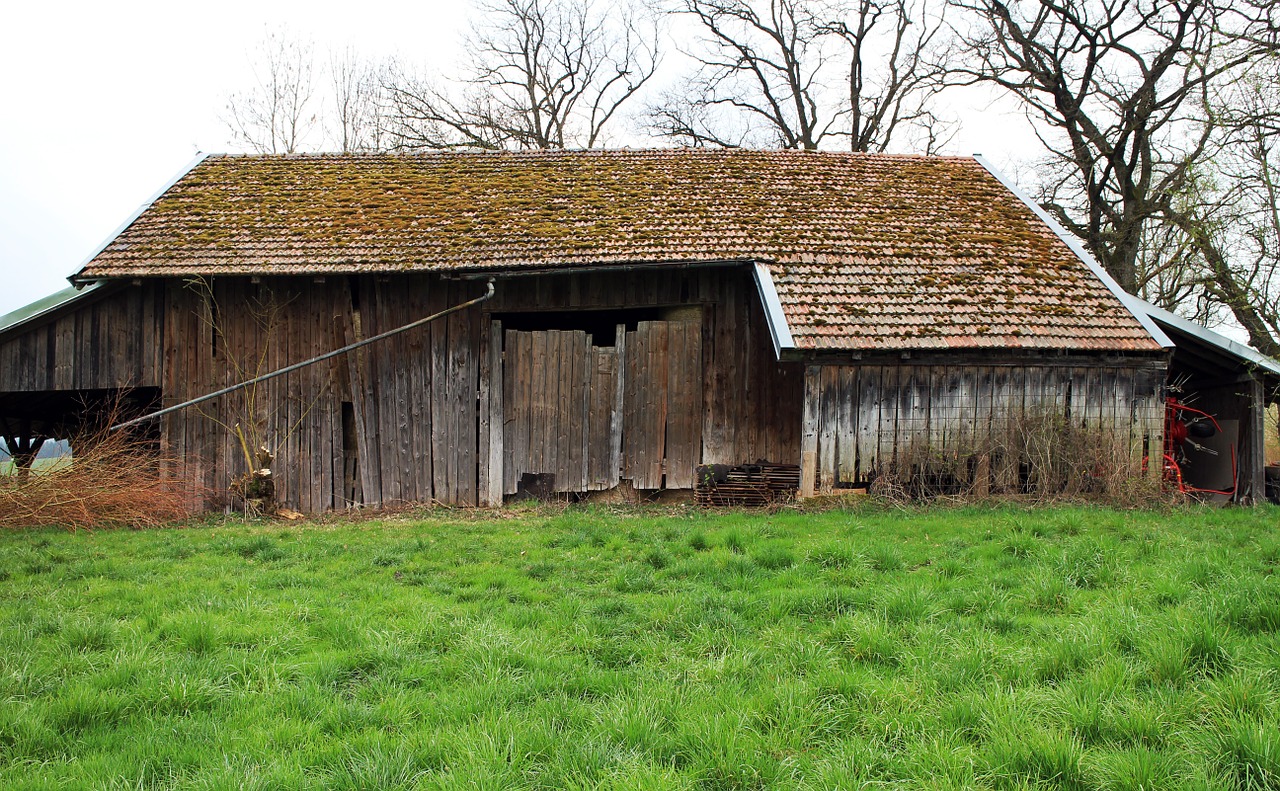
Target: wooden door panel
(662,428)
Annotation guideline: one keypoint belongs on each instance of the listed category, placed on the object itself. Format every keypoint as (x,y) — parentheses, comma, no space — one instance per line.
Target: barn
(736,323)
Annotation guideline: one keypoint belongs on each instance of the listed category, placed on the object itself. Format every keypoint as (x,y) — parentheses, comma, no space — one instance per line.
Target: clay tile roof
(866,251)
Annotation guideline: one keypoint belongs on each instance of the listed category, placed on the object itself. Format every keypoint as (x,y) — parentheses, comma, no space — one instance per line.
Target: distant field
(1002,649)
(6,466)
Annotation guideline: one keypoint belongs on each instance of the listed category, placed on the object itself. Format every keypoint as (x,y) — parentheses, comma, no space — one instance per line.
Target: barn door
(581,417)
(662,406)
(559,411)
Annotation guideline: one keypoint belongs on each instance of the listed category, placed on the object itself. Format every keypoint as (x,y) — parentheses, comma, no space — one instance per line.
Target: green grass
(1001,649)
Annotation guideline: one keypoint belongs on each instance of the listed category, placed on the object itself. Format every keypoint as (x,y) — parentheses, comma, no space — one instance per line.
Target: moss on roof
(864,248)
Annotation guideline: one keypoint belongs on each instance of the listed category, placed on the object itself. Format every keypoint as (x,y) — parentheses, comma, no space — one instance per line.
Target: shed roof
(1220,352)
(43,307)
(867,252)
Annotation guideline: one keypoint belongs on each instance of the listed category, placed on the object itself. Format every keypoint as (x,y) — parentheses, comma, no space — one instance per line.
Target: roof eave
(1245,354)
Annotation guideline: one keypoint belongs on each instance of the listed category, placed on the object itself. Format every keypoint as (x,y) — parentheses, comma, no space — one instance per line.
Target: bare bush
(1041,456)
(114,480)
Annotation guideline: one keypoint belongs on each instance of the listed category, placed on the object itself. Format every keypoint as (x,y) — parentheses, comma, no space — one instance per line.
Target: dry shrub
(114,480)
(1037,456)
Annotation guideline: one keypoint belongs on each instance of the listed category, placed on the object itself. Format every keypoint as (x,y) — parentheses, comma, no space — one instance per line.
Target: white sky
(105,102)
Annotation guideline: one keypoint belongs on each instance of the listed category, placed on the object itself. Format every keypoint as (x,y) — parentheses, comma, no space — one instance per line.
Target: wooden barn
(743,323)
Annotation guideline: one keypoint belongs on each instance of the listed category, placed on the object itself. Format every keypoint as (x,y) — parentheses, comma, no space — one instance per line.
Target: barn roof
(864,251)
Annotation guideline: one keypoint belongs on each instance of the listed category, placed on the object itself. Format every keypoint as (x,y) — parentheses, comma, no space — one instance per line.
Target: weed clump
(116,479)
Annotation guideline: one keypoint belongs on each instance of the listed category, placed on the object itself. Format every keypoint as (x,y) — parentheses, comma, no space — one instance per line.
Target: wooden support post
(809,430)
(1253,429)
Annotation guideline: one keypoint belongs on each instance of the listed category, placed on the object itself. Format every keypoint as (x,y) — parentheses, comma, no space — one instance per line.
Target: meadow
(1068,648)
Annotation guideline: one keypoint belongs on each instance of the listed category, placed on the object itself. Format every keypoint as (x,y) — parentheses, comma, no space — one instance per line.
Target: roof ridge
(580,152)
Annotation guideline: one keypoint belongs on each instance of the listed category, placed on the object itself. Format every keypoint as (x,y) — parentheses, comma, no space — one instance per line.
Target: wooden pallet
(746,485)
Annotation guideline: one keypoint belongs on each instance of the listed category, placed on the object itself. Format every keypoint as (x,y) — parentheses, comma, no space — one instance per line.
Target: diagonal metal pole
(326,356)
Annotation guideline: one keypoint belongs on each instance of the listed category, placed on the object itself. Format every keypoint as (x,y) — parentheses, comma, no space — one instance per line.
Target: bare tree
(1118,90)
(797,73)
(898,59)
(358,117)
(279,114)
(543,74)
(1230,222)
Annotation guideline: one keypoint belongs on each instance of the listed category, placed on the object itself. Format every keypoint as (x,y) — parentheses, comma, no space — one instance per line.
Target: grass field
(6,465)
(1072,649)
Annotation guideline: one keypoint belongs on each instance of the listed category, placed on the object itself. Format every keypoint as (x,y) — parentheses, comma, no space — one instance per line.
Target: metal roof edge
(75,278)
(1183,324)
(44,306)
(1126,299)
(779,330)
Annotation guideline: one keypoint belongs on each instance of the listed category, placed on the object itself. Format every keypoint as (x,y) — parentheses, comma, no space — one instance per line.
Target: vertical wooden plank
(465,383)
(865,409)
(512,402)
(887,452)
(601,394)
(676,435)
(966,410)
(684,398)
(388,403)
(484,459)
(492,404)
(366,395)
(568,418)
(984,429)
(936,413)
(828,424)
(426,353)
(616,420)
(580,355)
(1155,415)
(321,392)
(1005,416)
(1095,415)
(540,383)
(712,451)
(556,404)
(437,351)
(921,386)
(510,362)
(809,430)
(1123,411)
(847,414)
(587,370)
(659,360)
(630,446)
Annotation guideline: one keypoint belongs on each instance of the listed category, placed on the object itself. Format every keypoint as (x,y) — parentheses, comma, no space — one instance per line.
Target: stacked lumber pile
(746,485)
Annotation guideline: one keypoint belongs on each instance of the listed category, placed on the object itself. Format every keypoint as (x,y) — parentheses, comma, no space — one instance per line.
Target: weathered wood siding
(411,417)
(112,340)
(864,421)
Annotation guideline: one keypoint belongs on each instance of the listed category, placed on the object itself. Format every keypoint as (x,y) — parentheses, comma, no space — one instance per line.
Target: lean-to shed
(837,317)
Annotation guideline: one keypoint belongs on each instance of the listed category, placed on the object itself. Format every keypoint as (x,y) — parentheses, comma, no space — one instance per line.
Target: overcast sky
(105,102)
